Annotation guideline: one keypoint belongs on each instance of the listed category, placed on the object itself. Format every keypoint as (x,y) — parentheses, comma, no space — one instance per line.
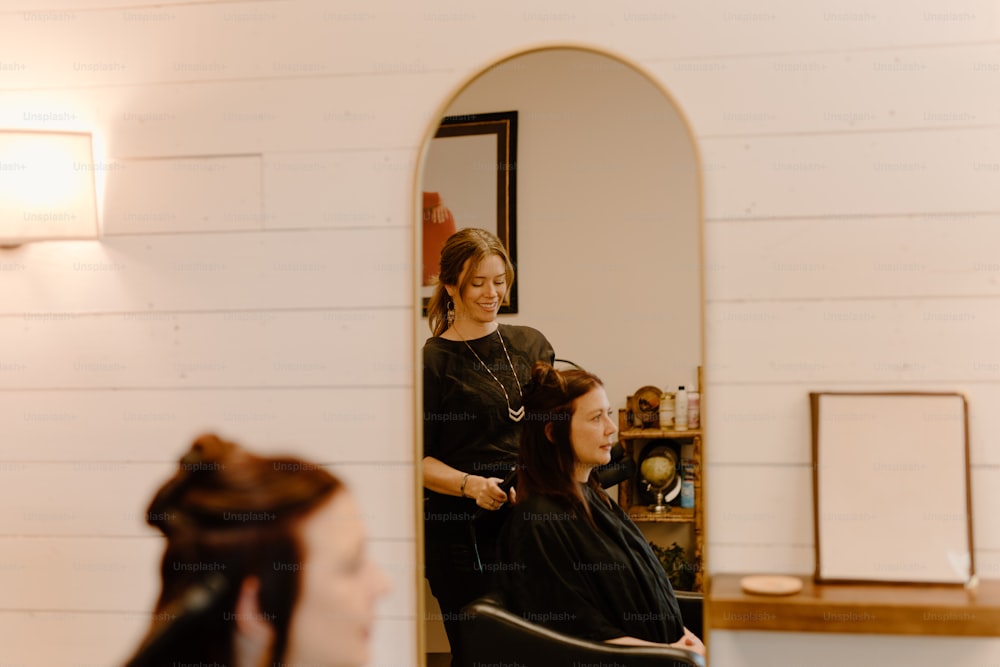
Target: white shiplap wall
(257,164)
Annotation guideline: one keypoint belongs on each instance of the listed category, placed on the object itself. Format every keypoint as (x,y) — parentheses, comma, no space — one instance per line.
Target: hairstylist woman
(474,372)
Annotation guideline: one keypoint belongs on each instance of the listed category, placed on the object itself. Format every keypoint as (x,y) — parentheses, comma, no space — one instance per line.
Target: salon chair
(495,635)
(691,605)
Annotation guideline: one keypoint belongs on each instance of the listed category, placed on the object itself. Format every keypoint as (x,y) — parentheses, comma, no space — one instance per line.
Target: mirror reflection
(608,269)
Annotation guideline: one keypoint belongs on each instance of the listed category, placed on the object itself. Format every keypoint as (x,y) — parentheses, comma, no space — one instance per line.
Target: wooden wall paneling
(873,173)
(754,527)
(207,117)
(291,349)
(383,491)
(983,419)
(757,558)
(151,278)
(288,115)
(65,109)
(80,582)
(843,257)
(988,563)
(985,496)
(136,108)
(184,119)
(102,573)
(221,41)
(209,40)
(326,425)
(109,499)
(88,639)
(339,190)
(397,560)
(211,193)
(778,26)
(837,91)
(756,508)
(394,641)
(885,341)
(65,567)
(754,523)
(756,423)
(51,10)
(80,498)
(85,638)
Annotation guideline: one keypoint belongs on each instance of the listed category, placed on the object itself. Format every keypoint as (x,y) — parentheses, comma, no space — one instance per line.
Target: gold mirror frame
(420,324)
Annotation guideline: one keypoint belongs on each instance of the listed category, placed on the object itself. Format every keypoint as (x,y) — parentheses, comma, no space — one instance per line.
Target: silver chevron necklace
(515,415)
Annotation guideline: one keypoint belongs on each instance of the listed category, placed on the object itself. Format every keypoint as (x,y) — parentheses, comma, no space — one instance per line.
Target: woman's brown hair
(470,245)
(227,515)
(546,463)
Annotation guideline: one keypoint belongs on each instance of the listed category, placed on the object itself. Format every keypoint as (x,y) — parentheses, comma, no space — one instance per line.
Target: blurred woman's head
(469,256)
(264,563)
(567,432)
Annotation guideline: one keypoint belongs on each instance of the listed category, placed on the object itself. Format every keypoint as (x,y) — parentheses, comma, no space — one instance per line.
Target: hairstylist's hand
(487,492)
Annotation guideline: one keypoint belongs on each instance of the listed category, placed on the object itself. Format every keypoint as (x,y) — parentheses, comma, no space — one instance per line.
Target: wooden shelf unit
(638,513)
(634,440)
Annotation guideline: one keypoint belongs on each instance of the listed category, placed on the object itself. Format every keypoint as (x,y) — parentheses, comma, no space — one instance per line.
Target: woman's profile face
(591,431)
(339,586)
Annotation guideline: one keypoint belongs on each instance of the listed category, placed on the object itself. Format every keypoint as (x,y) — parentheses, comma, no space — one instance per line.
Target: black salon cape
(558,571)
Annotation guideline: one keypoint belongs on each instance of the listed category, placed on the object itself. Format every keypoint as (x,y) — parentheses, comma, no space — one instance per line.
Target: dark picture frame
(470,180)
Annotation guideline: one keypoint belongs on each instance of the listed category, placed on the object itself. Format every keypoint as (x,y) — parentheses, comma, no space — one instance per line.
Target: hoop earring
(451,313)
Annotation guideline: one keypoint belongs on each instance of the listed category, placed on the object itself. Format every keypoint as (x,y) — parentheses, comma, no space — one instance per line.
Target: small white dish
(771,584)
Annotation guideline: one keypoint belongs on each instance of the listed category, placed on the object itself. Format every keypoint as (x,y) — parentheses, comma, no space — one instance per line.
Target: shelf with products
(633,498)
(638,435)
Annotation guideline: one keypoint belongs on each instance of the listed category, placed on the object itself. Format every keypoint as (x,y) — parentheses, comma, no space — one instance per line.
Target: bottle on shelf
(687,476)
(680,409)
(666,410)
(694,409)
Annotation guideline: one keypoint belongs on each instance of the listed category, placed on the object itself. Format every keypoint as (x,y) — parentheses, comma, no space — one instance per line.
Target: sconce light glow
(46,187)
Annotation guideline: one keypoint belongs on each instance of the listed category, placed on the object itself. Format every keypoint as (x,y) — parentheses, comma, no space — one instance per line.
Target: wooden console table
(896,609)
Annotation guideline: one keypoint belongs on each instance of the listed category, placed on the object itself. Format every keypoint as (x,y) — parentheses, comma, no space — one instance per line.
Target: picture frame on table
(891,485)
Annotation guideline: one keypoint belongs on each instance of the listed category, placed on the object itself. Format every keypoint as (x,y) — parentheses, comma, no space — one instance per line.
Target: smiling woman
(474,372)
(608,267)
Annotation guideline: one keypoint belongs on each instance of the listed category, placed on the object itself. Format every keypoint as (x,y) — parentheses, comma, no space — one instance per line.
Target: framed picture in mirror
(469,180)
(892,500)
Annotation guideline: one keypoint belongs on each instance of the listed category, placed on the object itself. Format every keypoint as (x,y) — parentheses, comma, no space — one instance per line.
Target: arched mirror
(605,224)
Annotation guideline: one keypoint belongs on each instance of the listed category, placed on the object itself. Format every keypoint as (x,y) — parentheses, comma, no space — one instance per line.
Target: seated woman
(265,564)
(570,558)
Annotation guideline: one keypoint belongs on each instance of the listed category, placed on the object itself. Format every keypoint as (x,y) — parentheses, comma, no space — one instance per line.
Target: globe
(659,470)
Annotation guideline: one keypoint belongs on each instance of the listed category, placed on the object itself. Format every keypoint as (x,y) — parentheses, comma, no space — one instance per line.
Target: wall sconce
(46,187)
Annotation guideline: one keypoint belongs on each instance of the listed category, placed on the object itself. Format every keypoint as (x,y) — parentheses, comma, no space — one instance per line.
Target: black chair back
(692,608)
(495,635)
